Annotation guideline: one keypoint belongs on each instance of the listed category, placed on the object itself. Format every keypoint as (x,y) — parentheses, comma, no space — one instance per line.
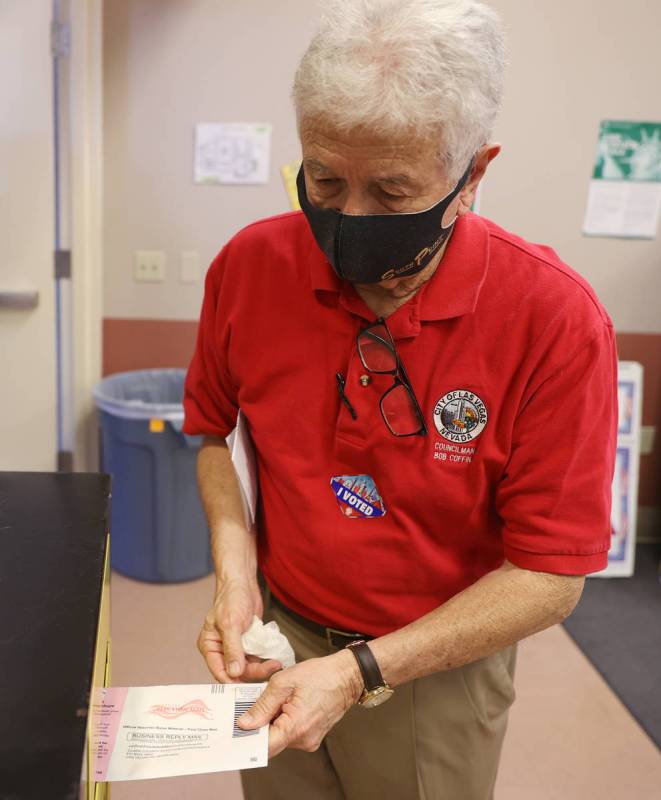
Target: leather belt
(335,637)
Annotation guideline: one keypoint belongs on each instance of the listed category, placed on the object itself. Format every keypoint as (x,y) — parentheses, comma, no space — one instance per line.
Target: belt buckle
(332,631)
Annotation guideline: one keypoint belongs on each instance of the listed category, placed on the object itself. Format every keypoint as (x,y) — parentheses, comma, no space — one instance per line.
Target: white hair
(434,67)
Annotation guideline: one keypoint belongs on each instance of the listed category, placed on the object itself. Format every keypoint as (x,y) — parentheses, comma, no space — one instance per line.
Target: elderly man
(432,402)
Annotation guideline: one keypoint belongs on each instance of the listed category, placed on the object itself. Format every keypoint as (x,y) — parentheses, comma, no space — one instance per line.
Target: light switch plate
(647,434)
(149,266)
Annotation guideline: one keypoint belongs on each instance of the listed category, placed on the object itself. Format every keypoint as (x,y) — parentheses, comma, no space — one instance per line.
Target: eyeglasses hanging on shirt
(399,407)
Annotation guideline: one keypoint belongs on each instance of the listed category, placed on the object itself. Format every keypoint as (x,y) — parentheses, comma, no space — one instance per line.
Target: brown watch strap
(369,669)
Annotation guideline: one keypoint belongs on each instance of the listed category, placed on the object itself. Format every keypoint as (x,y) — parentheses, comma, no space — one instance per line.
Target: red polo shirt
(513,362)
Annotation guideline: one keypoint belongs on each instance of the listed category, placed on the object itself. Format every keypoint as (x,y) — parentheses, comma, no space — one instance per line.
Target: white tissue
(266,641)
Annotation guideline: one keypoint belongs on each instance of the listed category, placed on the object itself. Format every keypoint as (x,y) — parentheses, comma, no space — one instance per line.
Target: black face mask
(367,248)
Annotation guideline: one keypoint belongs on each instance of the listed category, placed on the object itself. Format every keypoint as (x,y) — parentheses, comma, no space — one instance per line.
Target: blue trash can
(159,531)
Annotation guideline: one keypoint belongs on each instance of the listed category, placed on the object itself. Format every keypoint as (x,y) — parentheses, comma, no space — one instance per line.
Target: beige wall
(168,65)
(172,63)
(573,63)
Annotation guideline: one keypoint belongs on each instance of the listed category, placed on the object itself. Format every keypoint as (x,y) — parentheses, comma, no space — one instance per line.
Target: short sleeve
(210,396)
(554,498)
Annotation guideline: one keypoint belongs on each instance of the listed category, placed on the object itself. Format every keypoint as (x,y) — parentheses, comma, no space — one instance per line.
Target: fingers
(286,732)
(254,672)
(266,706)
(222,637)
(258,670)
(216,665)
(278,736)
(235,659)
(210,645)
(213,655)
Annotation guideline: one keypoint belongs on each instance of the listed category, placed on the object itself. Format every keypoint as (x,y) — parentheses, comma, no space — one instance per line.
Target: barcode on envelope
(240,707)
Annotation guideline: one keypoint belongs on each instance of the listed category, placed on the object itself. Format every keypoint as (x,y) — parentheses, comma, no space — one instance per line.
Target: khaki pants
(437,738)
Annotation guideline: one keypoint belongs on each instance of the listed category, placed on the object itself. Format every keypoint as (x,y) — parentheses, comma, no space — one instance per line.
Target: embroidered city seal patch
(460,416)
(357,496)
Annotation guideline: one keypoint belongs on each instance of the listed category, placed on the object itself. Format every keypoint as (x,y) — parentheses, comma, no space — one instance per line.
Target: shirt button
(365,380)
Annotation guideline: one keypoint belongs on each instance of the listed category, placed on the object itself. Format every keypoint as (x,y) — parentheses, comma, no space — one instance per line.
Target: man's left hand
(303,703)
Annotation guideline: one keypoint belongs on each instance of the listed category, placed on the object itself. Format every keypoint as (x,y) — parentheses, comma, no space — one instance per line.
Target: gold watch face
(376,696)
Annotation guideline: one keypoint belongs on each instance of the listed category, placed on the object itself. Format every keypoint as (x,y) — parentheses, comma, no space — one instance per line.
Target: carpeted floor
(617,624)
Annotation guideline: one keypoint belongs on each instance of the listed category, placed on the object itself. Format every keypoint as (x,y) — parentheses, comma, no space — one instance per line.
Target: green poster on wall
(628,151)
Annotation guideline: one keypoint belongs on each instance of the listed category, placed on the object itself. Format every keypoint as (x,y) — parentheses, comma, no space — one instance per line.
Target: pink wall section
(146,343)
(142,344)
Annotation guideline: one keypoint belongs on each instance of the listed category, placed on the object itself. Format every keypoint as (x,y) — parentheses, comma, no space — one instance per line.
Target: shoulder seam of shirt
(267,220)
(264,221)
(604,317)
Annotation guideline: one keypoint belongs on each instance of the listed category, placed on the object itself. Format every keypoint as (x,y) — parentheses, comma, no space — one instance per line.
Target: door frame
(86,120)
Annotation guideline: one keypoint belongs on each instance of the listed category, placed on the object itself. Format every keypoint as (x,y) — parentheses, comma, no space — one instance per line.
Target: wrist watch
(376,690)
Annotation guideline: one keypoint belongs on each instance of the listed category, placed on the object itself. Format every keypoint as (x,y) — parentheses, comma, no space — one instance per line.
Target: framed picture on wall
(625,478)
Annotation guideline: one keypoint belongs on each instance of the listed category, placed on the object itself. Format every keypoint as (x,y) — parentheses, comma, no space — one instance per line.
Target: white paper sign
(232,153)
(623,209)
(162,731)
(621,556)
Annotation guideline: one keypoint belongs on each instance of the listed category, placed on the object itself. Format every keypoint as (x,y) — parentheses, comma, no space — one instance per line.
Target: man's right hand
(235,604)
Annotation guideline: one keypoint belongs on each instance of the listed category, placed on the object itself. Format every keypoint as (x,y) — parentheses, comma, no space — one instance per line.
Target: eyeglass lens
(399,411)
(377,350)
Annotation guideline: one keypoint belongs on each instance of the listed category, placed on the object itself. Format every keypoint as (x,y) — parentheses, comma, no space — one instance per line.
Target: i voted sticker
(357,496)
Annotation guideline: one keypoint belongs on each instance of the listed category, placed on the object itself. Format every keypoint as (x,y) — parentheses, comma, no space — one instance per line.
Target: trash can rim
(136,408)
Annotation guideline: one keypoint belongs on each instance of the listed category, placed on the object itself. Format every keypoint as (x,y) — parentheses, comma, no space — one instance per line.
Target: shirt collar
(454,288)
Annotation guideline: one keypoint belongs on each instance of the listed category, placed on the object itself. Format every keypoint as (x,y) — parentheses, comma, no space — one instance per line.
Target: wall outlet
(189,266)
(149,266)
(647,433)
